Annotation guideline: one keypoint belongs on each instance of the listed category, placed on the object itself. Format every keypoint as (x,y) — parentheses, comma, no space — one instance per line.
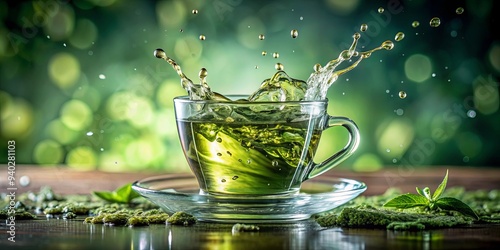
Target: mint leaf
(407,201)
(441,187)
(449,203)
(123,194)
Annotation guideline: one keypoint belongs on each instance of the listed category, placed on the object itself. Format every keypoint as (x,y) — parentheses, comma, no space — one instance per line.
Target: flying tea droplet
(435,22)
(262,37)
(399,36)
(279,66)
(194,12)
(276,55)
(387,45)
(317,67)
(203,73)
(459,10)
(294,33)
(381,10)
(159,53)
(264,53)
(363,27)
(402,94)
(202,37)
(235,177)
(415,24)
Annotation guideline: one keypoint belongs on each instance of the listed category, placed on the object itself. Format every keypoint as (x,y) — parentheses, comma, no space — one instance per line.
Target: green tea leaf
(105,195)
(441,187)
(126,192)
(427,193)
(420,191)
(407,201)
(449,203)
(123,194)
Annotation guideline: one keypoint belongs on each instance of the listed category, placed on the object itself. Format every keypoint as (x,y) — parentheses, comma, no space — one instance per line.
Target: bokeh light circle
(76,115)
(418,68)
(64,70)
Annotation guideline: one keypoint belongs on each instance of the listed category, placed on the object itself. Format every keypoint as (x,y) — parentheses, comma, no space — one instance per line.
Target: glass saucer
(180,192)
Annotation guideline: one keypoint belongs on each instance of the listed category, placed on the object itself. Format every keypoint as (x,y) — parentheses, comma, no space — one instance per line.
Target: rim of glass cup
(235,98)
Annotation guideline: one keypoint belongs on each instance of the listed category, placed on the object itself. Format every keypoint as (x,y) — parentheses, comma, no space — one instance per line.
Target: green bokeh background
(80,86)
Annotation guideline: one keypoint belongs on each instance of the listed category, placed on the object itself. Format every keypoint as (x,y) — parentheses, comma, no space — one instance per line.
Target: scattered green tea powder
(136,221)
(157,218)
(244,228)
(69,216)
(20,214)
(116,218)
(181,218)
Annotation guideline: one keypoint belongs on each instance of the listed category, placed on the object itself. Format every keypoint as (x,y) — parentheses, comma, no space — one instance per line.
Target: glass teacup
(256,148)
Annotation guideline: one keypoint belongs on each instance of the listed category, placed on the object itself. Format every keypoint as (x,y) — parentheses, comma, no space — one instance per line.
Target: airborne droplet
(223,180)
(294,33)
(203,73)
(435,22)
(194,12)
(363,27)
(459,10)
(276,55)
(402,94)
(262,37)
(399,36)
(317,67)
(415,24)
(279,66)
(202,37)
(235,177)
(159,53)
(387,45)
(380,10)
(264,53)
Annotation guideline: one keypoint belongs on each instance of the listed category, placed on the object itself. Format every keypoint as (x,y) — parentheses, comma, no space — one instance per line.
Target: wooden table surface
(61,234)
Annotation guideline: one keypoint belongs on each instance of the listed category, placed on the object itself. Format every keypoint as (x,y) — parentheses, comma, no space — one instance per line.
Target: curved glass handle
(343,154)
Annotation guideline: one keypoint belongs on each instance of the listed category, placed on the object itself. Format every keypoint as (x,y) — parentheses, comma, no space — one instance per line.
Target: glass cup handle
(344,153)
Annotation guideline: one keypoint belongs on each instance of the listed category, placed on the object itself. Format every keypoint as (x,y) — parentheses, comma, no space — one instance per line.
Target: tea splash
(281,87)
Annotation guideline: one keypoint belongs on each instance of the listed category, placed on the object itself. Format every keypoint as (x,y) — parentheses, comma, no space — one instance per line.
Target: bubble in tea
(399,36)
(380,10)
(202,37)
(294,33)
(415,24)
(459,10)
(194,12)
(262,37)
(276,55)
(402,94)
(435,22)
(264,53)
